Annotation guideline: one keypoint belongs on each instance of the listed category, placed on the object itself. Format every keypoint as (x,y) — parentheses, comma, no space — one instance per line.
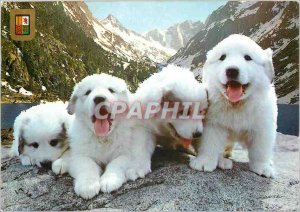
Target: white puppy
(242,104)
(40,134)
(174,84)
(118,144)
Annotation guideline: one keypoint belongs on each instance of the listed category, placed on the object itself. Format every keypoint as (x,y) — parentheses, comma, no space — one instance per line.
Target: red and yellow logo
(22,25)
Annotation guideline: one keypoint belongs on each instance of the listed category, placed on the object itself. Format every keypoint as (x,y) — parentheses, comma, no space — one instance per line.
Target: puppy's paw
(203,163)
(87,188)
(110,182)
(262,169)
(135,173)
(59,166)
(224,163)
(26,161)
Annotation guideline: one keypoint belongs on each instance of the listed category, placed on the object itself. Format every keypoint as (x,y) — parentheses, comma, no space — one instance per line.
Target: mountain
(137,45)
(270,24)
(176,36)
(111,35)
(63,52)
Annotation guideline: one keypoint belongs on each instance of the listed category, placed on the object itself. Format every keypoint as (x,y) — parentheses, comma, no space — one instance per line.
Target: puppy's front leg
(212,146)
(261,151)
(87,176)
(60,166)
(114,175)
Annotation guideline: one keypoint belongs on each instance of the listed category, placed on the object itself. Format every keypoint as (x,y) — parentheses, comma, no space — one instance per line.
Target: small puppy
(40,134)
(174,84)
(238,74)
(120,145)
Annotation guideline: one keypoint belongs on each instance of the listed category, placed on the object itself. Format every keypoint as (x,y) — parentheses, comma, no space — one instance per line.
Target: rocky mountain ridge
(175,36)
(112,36)
(270,24)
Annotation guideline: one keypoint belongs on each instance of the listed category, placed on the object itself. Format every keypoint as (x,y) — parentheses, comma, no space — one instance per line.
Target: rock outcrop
(172,185)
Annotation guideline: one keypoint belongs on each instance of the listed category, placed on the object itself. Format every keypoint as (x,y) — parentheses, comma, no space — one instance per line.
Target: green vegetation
(60,55)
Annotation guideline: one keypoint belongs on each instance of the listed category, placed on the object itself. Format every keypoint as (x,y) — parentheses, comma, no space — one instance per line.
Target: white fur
(252,121)
(40,124)
(125,151)
(181,84)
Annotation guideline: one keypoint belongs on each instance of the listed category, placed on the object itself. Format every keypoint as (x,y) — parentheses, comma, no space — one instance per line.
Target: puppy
(238,74)
(173,84)
(40,134)
(118,144)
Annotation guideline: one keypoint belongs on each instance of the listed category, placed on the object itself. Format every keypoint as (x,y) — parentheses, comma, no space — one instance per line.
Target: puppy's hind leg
(87,176)
(212,146)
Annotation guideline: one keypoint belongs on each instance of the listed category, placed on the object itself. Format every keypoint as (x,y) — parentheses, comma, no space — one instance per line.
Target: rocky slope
(172,186)
(61,54)
(176,36)
(112,36)
(270,24)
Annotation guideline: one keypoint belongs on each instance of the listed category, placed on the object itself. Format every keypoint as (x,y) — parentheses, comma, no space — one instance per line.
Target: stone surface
(172,185)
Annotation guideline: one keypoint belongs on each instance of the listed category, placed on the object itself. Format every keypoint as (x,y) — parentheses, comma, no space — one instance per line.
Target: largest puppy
(122,147)
(238,75)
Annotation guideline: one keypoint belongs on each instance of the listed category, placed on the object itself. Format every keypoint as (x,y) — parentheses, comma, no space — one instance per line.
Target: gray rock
(172,185)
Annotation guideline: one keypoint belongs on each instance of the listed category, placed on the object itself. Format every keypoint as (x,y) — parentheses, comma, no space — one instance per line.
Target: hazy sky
(143,16)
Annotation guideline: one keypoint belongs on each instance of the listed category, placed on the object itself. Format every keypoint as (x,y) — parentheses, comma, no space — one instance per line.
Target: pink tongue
(101,127)
(234,93)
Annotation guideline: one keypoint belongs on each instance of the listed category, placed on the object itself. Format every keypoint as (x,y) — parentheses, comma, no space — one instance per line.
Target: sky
(143,16)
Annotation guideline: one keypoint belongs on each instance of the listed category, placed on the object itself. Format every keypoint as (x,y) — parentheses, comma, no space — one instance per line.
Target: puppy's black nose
(99,99)
(197,134)
(232,73)
(46,164)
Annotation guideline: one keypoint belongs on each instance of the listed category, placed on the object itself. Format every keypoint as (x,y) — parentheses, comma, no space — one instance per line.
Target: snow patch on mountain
(176,36)
(249,12)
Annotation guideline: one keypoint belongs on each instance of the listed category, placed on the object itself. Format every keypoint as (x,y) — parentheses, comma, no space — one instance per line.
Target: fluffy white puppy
(117,144)
(40,134)
(238,74)
(173,84)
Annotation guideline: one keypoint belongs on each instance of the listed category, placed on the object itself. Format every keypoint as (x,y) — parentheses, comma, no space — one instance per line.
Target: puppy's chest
(100,151)
(239,118)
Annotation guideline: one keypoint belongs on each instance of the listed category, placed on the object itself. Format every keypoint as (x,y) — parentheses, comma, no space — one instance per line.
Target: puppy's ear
(63,132)
(211,56)
(269,64)
(22,143)
(71,105)
(168,96)
(208,54)
(19,142)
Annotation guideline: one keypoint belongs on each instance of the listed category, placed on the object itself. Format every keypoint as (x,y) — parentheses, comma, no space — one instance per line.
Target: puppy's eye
(111,90)
(34,145)
(223,57)
(247,57)
(54,142)
(88,92)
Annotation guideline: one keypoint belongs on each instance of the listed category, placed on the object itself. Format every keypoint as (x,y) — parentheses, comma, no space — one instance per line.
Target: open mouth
(235,90)
(186,142)
(102,126)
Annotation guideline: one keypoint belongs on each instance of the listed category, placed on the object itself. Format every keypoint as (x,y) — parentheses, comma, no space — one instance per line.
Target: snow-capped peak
(111,19)
(112,36)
